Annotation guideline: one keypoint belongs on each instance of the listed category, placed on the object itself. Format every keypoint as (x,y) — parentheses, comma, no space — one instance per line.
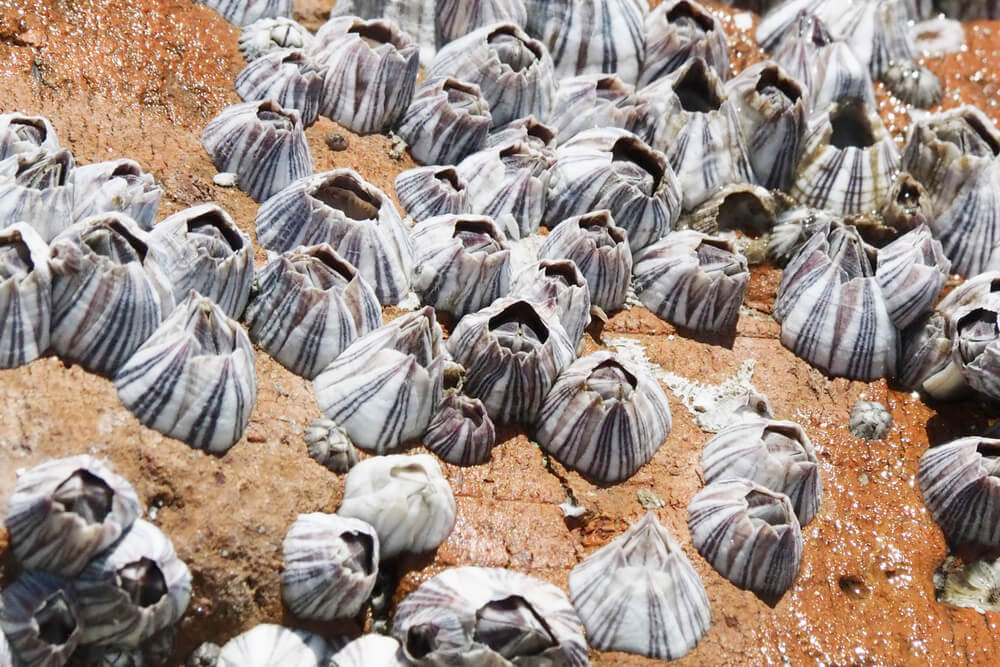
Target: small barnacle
(749,534)
(913,83)
(245,12)
(692,280)
(975,331)
(41,619)
(425,192)
(268,35)
(65,512)
(838,78)
(37,188)
(26,134)
(267,645)
(309,306)
(204,250)
(357,219)
(975,584)
(289,77)
(447,120)
(539,136)
(456,18)
(370,70)
(869,420)
(206,654)
(792,228)
(134,590)
(938,35)
(116,185)
(604,418)
(262,143)
(25,295)
(640,594)
(602,100)
(750,209)
(777,455)
(194,378)
(329,445)
(370,649)
(330,566)
(907,206)
(405,498)
(911,271)
(676,32)
(461,432)
(557,286)
(960,482)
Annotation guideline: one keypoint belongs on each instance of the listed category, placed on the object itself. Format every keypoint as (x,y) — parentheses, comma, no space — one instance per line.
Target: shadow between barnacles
(957,419)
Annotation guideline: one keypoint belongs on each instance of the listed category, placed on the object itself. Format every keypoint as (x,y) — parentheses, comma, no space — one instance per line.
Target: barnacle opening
(143,582)
(85,494)
(714,256)
(697,89)
(772,82)
(126,169)
(746,212)
(970,134)
(610,88)
(784,440)
(42,169)
(564,270)
(29,129)
(376,33)
(512,321)
(685,10)
(323,267)
(633,150)
(463,96)
(449,177)
(215,234)
(851,126)
(413,472)
(979,324)
(511,627)
(477,235)
(110,238)
(361,546)
(511,49)
(55,620)
(600,228)
(348,196)
(610,380)
(15,257)
(271,115)
(766,507)
(421,640)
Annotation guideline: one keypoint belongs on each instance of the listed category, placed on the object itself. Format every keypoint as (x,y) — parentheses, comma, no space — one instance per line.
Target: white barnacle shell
(907,206)
(205,251)
(777,455)
(640,594)
(974,584)
(245,12)
(528,130)
(839,77)
(25,295)
(109,292)
(461,263)
(330,445)
(557,286)
(676,32)
(692,280)
(133,591)
(486,616)
(66,511)
(589,101)
(604,417)
(792,228)
(262,143)
(870,420)
(267,645)
(398,369)
(309,306)
(20,133)
(878,33)
(512,350)
(461,432)
(330,566)
(797,45)
(194,378)
(268,35)
(925,359)
(456,18)
(600,249)
(370,72)
(975,333)
(513,71)
(37,188)
(611,168)
(116,185)
(960,482)
(913,83)
(357,219)
(938,36)
(447,120)
(405,498)
(748,533)
(911,271)
(289,77)
(41,619)
(425,192)
(370,650)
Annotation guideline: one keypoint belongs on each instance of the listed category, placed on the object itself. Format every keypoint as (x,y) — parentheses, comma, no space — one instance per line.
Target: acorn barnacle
(528,130)
(592,101)
(749,209)
(414,17)
(20,133)
(556,285)
(25,295)
(677,31)
(839,77)
(405,498)
(116,185)
(447,120)
(792,228)
(41,619)
(960,482)
(245,12)
(461,432)
(370,649)
(267,644)
(37,188)
(911,271)
(425,192)
(268,35)
(797,44)
(329,445)
(925,360)
(640,594)
(289,77)
(869,420)
(975,331)
(913,83)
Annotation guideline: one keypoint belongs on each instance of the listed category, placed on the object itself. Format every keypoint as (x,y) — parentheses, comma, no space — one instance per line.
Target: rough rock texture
(140,78)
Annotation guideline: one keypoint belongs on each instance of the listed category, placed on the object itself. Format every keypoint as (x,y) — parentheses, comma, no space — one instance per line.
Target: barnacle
(330,445)
(268,35)
(592,101)
(461,431)
(267,644)
(447,120)
(869,420)
(289,77)
(245,12)
(425,192)
(25,295)
(37,188)
(913,83)
(454,19)
(960,482)
(20,133)
(557,286)
(677,31)
(41,619)
(116,185)
(370,649)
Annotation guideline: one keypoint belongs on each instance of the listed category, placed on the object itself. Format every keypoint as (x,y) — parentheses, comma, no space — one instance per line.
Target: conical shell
(245,12)
(750,209)
(925,359)
(976,345)
(960,482)
(557,286)
(41,619)
(869,420)
(267,645)
(414,17)
(911,271)
(913,84)
(447,120)
(792,228)
(528,130)
(461,432)
(425,192)
(590,101)
(330,445)
(969,584)
(116,185)
(796,48)
(25,295)
(20,133)
(37,188)
(676,32)
(265,36)
(289,77)
(839,77)
(456,18)
(368,650)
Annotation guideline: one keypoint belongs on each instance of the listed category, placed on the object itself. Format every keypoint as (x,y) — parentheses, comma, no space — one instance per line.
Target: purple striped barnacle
(425,192)
(41,618)
(268,644)
(453,19)
(461,431)
(268,35)
(20,133)
(116,185)
(960,482)
(245,12)
(289,77)
(25,295)
(447,120)
(678,30)
(37,188)
(557,286)
(590,101)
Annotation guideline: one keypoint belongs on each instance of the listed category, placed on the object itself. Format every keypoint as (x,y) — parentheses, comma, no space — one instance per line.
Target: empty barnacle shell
(205,251)
(973,584)
(869,420)
(528,130)
(330,566)
(20,133)
(405,498)
(960,482)
(456,18)
(461,263)
(676,32)
(289,77)
(115,185)
(109,292)
(245,12)
(268,35)
(134,590)
(370,72)
(330,445)
(913,83)
(602,100)
(604,418)
(792,228)
(461,432)
(309,306)
(748,533)
(911,271)
(692,280)
(267,644)
(447,120)
(66,511)
(611,168)
(194,378)
(25,295)
(777,455)
(425,192)
(37,188)
(907,206)
(557,286)
(838,76)
(513,71)
(398,369)
(600,250)
(370,649)
(751,209)
(640,594)
(262,143)
(41,619)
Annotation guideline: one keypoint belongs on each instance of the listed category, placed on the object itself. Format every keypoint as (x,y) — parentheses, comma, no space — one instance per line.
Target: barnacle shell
(513,71)
(839,77)
(330,445)
(357,219)
(20,133)
(116,185)
(792,228)
(309,306)
(370,72)
(456,18)
(268,35)
(194,378)
(601,251)
(557,286)
(960,482)
(975,331)
(461,432)
(748,533)
(692,280)
(289,77)
(369,651)
(751,209)
(37,188)
(774,454)
(108,291)
(870,420)
(405,498)
(414,17)
(640,594)
(262,143)
(41,619)
(205,251)
(925,359)
(975,584)
(330,566)
(604,418)
(907,206)
(267,645)
(245,12)
(938,36)
(425,192)
(447,120)
(134,590)
(206,654)
(512,351)
(602,100)
(527,130)
(911,272)
(25,295)
(676,32)
(398,369)
(610,168)
(913,83)
(797,46)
